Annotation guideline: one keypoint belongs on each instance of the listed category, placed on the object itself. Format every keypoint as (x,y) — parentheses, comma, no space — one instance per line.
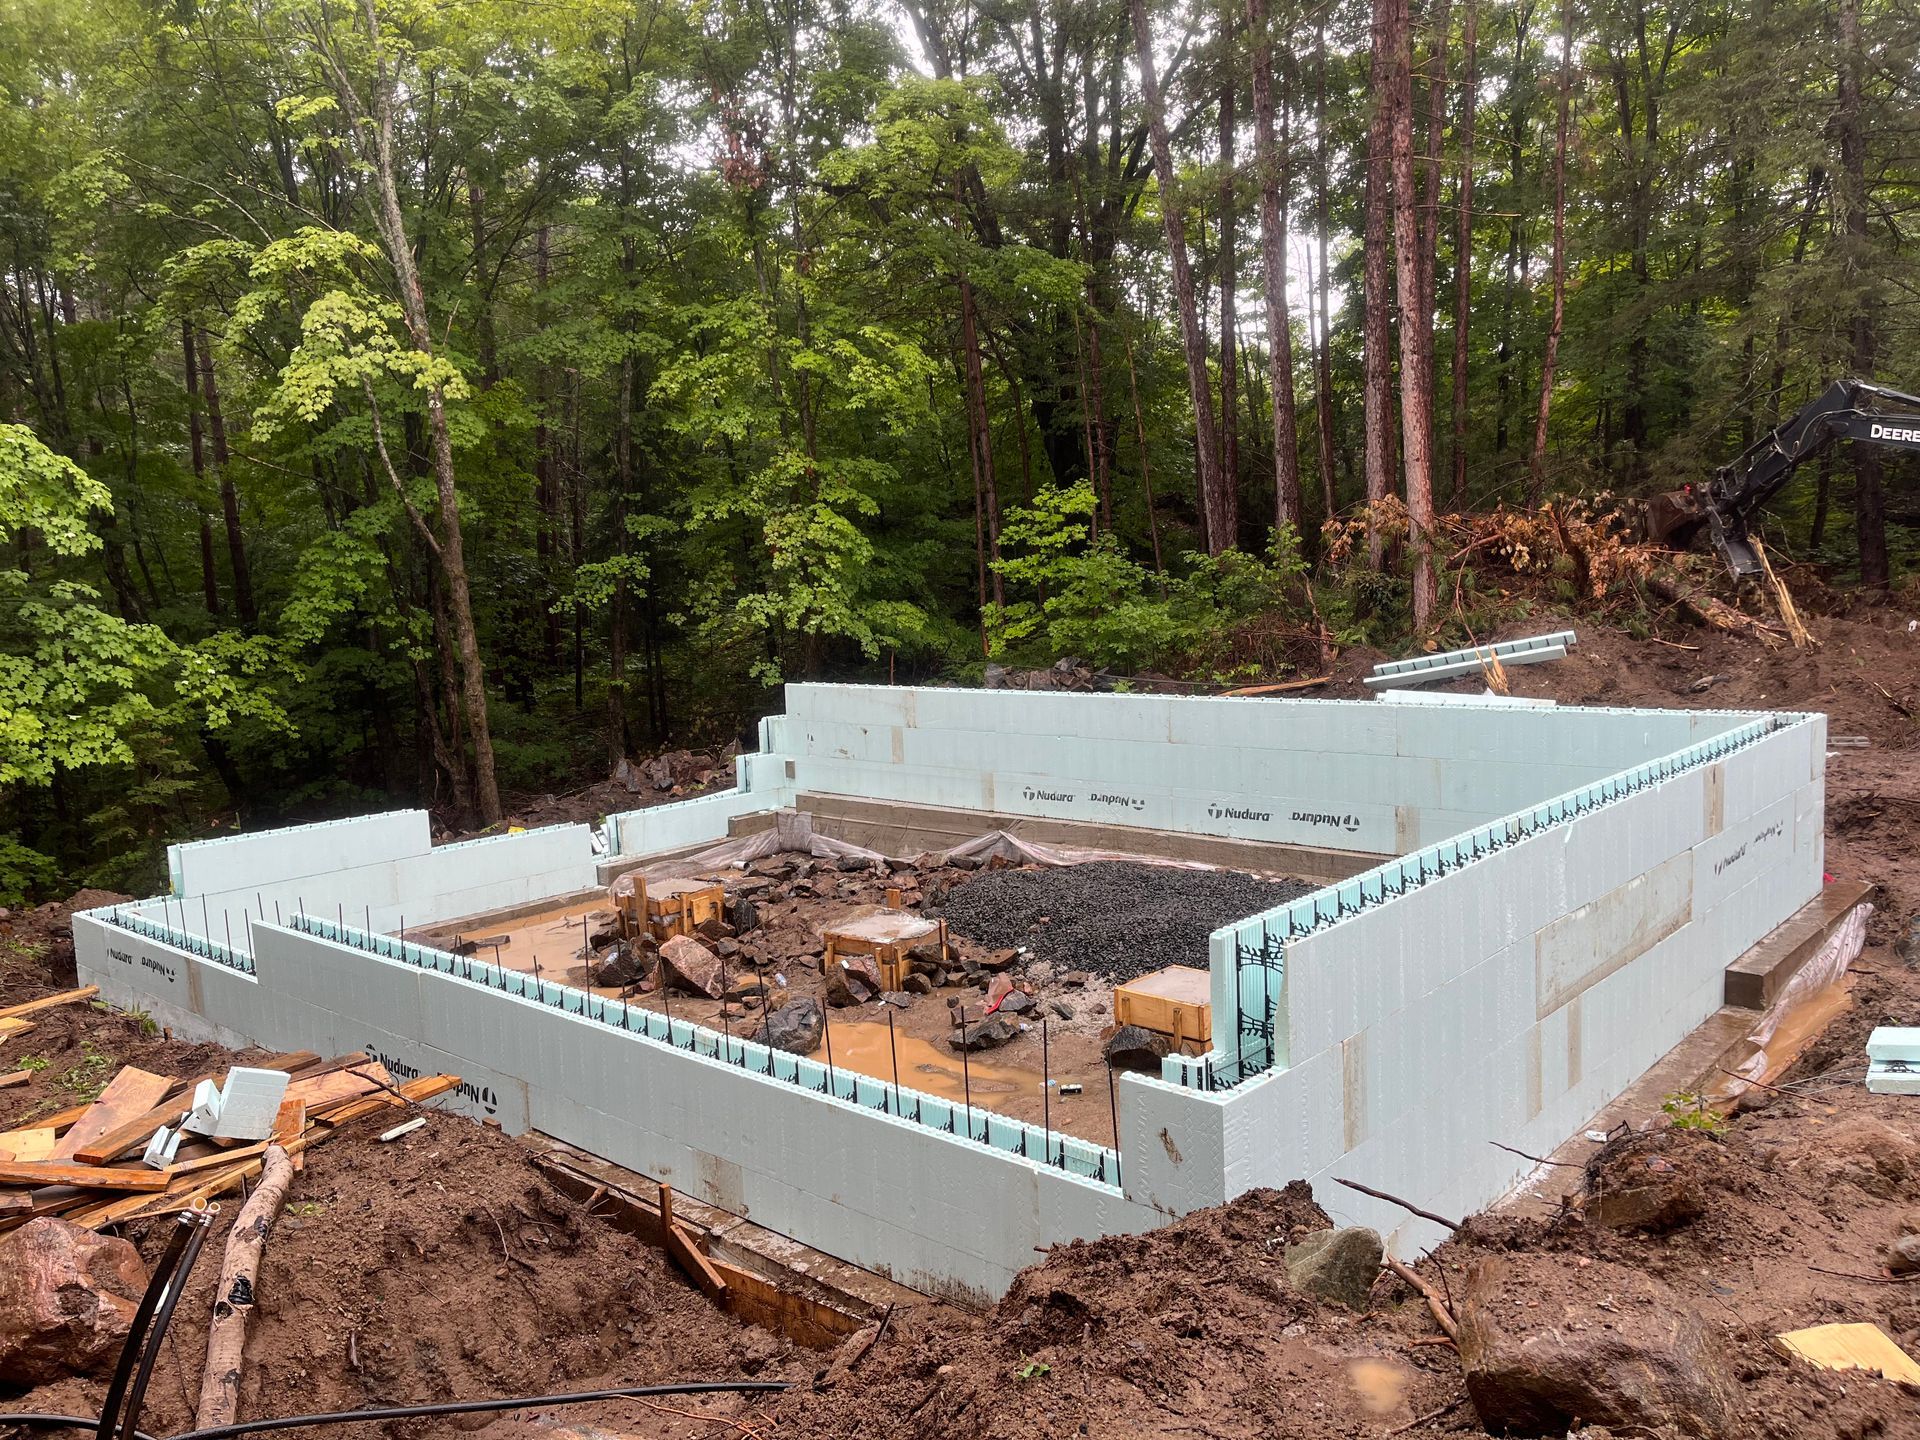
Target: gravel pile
(1117,919)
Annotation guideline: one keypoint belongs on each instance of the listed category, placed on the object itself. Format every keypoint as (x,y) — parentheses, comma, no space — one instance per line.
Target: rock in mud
(1134,1047)
(67,1298)
(744,914)
(988,1034)
(689,965)
(1336,1265)
(796,1027)
(1903,1255)
(1544,1345)
(851,980)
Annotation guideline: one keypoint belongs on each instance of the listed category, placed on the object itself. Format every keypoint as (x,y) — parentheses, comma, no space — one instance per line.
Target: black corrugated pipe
(142,1316)
(137,1397)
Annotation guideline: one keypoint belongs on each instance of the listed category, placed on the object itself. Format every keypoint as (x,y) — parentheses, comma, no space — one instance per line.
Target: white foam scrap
(161,1149)
(244,1110)
(1894,1042)
(1893,1077)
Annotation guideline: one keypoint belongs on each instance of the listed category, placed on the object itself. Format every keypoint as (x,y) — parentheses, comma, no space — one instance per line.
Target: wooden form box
(887,935)
(1176,1002)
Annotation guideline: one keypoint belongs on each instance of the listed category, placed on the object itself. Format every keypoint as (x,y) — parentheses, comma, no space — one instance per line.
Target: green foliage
(1689,1111)
(25,873)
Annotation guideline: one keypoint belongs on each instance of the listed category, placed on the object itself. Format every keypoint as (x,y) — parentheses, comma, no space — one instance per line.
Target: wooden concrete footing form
(763,1277)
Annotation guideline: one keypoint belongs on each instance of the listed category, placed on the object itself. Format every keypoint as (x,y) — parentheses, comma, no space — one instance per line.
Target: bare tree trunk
(1146,470)
(1229,279)
(197,451)
(1463,253)
(450,551)
(1416,329)
(617,603)
(1323,353)
(1269,152)
(1218,503)
(233,1301)
(1869,491)
(243,604)
(1376,327)
(1430,175)
(1537,462)
(983,438)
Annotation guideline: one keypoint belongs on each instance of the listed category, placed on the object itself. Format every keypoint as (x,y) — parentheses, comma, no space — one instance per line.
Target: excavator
(1847,410)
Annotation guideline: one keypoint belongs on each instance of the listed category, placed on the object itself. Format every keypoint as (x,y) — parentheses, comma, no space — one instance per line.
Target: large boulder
(988,1034)
(796,1027)
(67,1298)
(851,980)
(1134,1047)
(688,965)
(1336,1264)
(1544,1344)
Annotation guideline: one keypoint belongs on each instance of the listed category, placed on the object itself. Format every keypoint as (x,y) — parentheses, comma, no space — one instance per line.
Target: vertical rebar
(276,912)
(226,918)
(966,1072)
(1113,1114)
(369,920)
(206,923)
(826,1029)
(893,1050)
(1046,1097)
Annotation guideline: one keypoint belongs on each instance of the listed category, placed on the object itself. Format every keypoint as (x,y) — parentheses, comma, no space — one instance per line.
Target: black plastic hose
(406,1412)
(470,1407)
(143,1314)
(136,1398)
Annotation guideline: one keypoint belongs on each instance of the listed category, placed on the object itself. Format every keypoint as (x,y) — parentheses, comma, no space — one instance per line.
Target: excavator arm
(1847,410)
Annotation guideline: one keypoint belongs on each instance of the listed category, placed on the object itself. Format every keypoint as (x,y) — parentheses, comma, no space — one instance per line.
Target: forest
(444,401)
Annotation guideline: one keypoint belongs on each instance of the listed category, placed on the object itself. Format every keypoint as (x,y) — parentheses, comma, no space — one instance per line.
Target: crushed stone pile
(1117,919)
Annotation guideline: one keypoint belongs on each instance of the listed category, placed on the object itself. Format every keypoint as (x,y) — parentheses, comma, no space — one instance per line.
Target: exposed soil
(390,1281)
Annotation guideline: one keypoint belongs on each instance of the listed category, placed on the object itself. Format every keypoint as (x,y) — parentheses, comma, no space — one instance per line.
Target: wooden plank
(1851,1347)
(49,1002)
(17,1077)
(686,1254)
(129,1094)
(32,1144)
(324,1090)
(11,1028)
(135,1132)
(98,1177)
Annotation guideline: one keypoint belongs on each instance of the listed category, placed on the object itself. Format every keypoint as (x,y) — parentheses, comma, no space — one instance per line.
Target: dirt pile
(1118,919)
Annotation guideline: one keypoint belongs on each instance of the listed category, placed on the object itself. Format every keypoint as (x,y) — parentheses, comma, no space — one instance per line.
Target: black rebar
(894,1051)
(1113,1113)
(1046,1099)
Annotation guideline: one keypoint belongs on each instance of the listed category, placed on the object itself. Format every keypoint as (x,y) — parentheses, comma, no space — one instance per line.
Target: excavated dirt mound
(1117,919)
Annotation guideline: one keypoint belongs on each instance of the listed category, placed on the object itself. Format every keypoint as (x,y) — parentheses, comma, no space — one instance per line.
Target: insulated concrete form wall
(1506,995)
(1369,776)
(934,1210)
(1514,997)
(378,870)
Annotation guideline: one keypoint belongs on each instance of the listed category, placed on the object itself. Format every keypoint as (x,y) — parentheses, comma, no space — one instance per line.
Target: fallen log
(233,1301)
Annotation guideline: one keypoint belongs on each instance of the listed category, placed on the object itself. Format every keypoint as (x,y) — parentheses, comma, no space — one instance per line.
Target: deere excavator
(1848,410)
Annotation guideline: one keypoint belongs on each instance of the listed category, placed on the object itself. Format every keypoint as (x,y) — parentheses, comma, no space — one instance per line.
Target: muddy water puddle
(871,1050)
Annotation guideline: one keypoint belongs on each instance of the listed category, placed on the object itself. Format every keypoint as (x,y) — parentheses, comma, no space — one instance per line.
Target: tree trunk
(209,575)
(617,604)
(1218,502)
(243,604)
(1323,352)
(982,438)
(1146,470)
(1537,460)
(1463,252)
(451,555)
(1416,326)
(197,452)
(1869,492)
(233,1301)
(1376,327)
(1269,152)
(1229,280)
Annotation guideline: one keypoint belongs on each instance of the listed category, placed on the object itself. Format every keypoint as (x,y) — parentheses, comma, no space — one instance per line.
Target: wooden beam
(97,1177)
(49,1002)
(18,1077)
(688,1255)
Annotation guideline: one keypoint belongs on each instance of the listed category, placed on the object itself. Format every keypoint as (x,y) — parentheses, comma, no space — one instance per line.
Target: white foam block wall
(1355,775)
(376,875)
(936,1212)
(1512,999)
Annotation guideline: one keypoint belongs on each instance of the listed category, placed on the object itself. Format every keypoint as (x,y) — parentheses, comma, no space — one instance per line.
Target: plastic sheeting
(1805,1001)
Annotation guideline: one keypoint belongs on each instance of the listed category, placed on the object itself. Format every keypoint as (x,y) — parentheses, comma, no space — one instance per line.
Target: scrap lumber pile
(95,1164)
